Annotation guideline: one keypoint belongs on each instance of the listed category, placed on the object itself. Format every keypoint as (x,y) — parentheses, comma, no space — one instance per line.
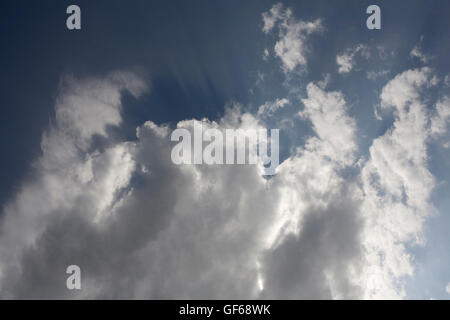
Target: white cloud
(68,177)
(441,120)
(140,226)
(447,80)
(346,62)
(291,47)
(336,130)
(418,53)
(270,107)
(272,17)
(397,185)
(266,54)
(373,75)
(404,88)
(328,225)
(316,229)
(447,288)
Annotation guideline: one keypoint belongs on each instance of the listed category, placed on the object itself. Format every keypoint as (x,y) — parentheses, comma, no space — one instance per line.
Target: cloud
(68,177)
(447,288)
(275,14)
(266,54)
(441,120)
(291,47)
(328,113)
(328,225)
(141,227)
(315,250)
(137,225)
(270,107)
(404,88)
(373,75)
(418,53)
(397,185)
(447,80)
(346,62)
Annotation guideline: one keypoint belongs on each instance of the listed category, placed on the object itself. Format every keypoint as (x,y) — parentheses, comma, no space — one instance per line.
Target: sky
(359,207)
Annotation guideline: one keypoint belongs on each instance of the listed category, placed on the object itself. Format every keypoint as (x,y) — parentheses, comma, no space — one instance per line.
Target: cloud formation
(398,184)
(139,226)
(332,223)
(291,46)
(346,62)
(417,52)
(270,107)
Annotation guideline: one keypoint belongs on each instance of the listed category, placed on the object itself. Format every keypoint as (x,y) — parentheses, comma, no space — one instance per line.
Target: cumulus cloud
(447,288)
(68,177)
(336,130)
(345,63)
(291,47)
(315,250)
(141,227)
(397,185)
(329,224)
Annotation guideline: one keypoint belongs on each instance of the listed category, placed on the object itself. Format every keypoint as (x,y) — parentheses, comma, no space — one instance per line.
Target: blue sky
(199,59)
